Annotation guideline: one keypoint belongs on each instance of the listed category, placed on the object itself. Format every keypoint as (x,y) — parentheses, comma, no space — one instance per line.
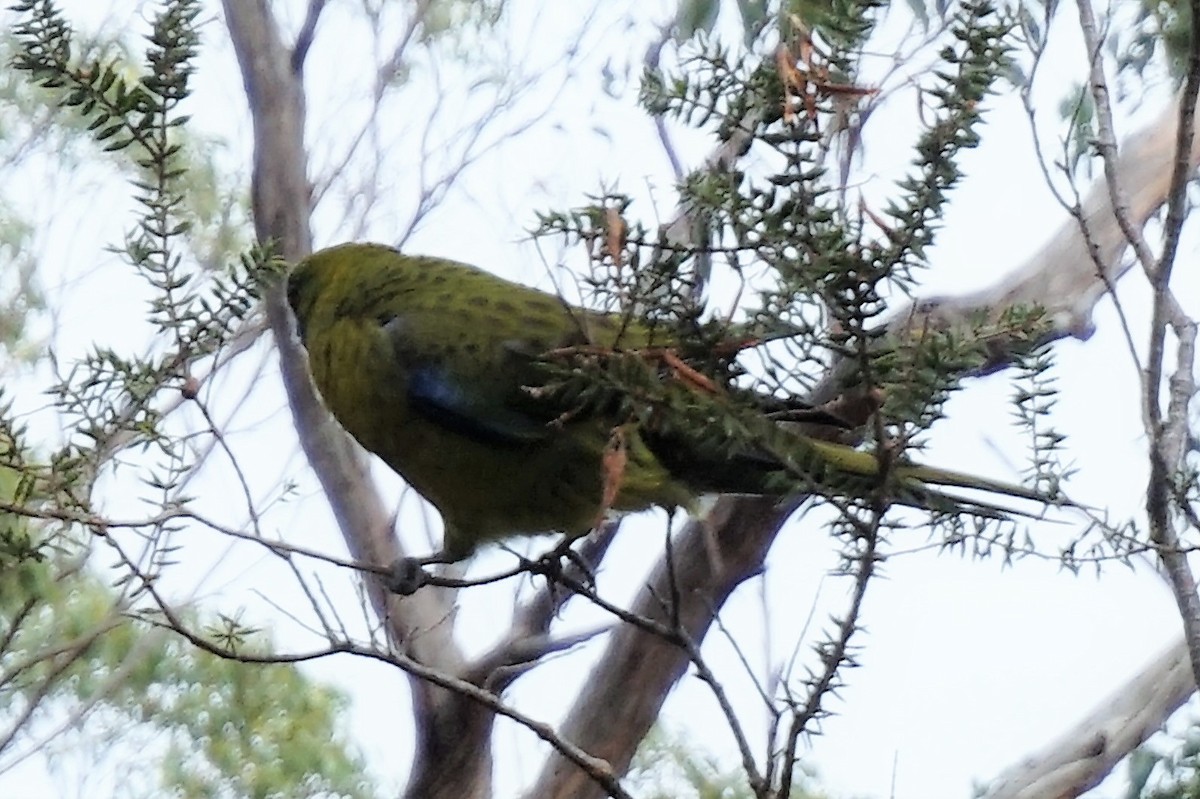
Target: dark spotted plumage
(427,362)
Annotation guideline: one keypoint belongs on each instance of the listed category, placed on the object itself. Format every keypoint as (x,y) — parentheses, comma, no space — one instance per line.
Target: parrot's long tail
(914,483)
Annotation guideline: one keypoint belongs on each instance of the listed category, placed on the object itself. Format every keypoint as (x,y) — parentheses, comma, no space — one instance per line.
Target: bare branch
(308,30)
(1089,751)
(1166,312)
(282,205)
(1062,277)
(632,678)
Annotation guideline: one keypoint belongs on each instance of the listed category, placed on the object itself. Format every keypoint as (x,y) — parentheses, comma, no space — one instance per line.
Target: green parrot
(448,374)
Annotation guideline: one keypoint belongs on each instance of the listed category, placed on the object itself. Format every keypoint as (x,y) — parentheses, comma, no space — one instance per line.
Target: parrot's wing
(442,397)
(478,394)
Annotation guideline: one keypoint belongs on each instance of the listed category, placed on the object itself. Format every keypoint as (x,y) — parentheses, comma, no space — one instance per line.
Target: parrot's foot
(565,565)
(407,575)
(577,567)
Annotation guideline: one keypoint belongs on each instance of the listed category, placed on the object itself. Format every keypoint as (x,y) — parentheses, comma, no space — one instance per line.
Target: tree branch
(454,738)
(1062,277)
(1088,752)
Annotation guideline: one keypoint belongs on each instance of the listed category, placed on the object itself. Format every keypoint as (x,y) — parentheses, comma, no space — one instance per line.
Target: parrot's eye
(295,284)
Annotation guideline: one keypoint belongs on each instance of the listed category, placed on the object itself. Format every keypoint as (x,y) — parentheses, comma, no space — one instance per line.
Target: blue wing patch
(435,393)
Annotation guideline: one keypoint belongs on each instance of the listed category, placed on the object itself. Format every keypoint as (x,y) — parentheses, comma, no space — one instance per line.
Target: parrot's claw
(407,575)
(583,569)
(564,563)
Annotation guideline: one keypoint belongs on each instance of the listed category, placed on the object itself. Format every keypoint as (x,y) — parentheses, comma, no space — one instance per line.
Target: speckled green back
(371,318)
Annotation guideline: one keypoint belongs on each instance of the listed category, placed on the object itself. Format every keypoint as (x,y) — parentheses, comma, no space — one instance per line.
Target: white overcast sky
(967,666)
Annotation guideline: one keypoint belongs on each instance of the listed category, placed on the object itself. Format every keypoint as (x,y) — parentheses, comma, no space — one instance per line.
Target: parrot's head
(320,288)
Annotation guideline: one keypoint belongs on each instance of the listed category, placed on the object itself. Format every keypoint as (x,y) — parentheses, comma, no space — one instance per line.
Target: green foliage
(755,17)
(34,120)
(1078,108)
(227,728)
(821,276)
(1160,28)
(844,24)
(259,730)
(694,16)
(922,369)
(24,548)
(20,295)
(130,108)
(1036,396)
(1169,768)
(453,18)
(551,393)
(816,277)
(121,112)
(108,395)
(69,646)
